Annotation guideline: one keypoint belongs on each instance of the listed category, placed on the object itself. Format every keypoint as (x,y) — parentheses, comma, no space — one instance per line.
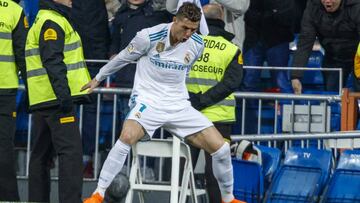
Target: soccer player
(164,54)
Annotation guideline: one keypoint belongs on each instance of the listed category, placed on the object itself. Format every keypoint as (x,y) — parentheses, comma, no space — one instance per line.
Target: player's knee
(128,137)
(222,153)
(217,144)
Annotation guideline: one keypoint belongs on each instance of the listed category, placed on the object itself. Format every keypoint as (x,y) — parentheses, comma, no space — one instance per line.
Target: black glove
(66,105)
(195,100)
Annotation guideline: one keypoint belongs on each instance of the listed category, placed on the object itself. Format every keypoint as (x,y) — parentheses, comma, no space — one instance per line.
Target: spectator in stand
(336,23)
(234,11)
(159,5)
(268,32)
(300,6)
(13,30)
(132,16)
(91,21)
(112,6)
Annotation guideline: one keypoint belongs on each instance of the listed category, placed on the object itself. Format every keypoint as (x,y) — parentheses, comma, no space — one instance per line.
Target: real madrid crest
(130,48)
(138,115)
(160,46)
(187,58)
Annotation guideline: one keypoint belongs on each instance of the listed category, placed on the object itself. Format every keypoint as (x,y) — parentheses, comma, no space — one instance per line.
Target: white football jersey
(161,68)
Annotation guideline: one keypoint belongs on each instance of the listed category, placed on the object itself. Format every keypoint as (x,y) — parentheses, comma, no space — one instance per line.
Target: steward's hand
(296,85)
(195,100)
(91,85)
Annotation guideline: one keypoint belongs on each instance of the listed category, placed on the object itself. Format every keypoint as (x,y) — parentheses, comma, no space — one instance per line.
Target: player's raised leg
(212,142)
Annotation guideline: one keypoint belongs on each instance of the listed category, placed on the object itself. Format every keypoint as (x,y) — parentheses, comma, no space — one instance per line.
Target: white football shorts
(179,123)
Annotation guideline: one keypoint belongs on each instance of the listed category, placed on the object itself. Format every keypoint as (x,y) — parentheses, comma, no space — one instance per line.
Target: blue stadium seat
(314,78)
(271,158)
(344,185)
(295,184)
(349,159)
(302,176)
(310,157)
(248,181)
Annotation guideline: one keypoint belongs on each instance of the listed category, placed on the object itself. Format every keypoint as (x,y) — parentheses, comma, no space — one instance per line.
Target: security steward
(56,71)
(212,80)
(357,62)
(13,29)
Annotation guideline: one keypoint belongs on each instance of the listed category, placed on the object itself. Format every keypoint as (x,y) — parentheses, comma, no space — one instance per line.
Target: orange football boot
(95,198)
(235,201)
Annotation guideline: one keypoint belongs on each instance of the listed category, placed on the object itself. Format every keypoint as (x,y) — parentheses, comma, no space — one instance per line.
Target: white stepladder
(167,149)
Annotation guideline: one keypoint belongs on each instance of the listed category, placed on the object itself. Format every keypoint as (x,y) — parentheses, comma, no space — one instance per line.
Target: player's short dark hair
(190,11)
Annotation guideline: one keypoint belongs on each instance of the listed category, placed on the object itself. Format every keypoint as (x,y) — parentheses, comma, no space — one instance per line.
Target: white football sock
(112,165)
(223,171)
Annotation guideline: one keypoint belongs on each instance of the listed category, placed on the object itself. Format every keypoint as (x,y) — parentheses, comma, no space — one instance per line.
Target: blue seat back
(349,159)
(270,161)
(295,184)
(310,157)
(302,176)
(344,187)
(248,181)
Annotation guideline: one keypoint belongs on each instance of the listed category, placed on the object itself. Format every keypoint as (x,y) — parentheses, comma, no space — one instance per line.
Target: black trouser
(53,134)
(8,182)
(211,184)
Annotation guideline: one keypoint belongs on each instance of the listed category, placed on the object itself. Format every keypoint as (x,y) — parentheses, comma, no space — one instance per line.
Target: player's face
(67,3)
(331,5)
(184,28)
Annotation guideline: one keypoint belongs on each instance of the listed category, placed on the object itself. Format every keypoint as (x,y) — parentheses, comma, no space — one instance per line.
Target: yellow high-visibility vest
(357,63)
(208,70)
(10,14)
(39,86)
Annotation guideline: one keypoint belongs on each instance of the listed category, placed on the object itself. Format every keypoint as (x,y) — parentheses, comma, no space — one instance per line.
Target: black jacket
(52,57)
(126,24)
(91,21)
(270,22)
(338,33)
(300,6)
(232,76)
(18,42)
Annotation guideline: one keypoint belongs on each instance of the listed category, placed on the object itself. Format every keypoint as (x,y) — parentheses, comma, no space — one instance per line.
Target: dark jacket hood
(217,28)
(51,5)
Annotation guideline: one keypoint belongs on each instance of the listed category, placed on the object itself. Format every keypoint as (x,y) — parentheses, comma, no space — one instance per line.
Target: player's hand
(296,85)
(91,86)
